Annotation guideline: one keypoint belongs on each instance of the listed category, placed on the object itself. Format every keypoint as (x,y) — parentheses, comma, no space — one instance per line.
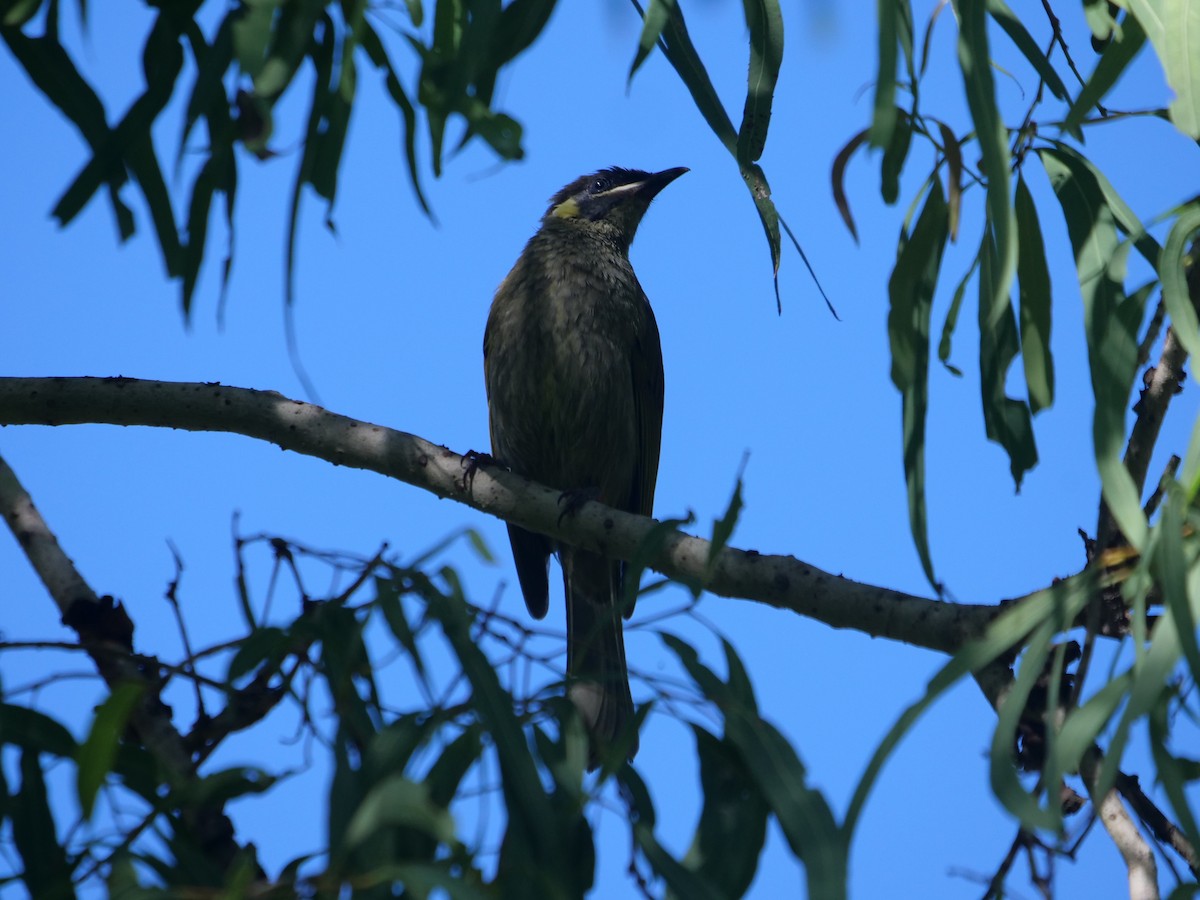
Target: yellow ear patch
(568,209)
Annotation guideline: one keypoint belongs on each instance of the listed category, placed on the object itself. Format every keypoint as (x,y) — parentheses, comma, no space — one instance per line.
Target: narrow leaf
(1033,279)
(883,119)
(98,752)
(1017,33)
(654,19)
(1112,65)
(1111,320)
(1007,420)
(733,819)
(910,290)
(838,177)
(764,22)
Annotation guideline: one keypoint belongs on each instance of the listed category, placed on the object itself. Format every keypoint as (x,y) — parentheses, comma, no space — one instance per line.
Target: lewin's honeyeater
(574,376)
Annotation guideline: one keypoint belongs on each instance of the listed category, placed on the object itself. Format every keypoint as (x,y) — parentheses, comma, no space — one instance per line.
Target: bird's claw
(473,460)
(573,499)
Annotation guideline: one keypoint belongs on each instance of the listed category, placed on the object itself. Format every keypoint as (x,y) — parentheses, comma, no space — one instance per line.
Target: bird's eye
(599,184)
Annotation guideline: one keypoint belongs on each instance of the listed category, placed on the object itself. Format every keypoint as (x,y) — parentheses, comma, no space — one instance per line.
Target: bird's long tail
(597,678)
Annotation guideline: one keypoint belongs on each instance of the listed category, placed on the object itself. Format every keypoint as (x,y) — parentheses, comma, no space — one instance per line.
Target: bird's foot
(573,499)
(473,460)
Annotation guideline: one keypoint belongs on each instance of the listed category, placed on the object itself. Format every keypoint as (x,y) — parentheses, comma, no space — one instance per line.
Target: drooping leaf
(723,527)
(1111,322)
(883,119)
(1112,65)
(954,176)
(654,19)
(99,750)
(47,873)
(379,57)
(838,177)
(1017,33)
(1010,629)
(974,56)
(399,802)
(894,155)
(910,291)
(951,321)
(1007,420)
(733,818)
(1033,280)
(803,813)
(764,22)
(1173,27)
(55,75)
(36,731)
(1171,271)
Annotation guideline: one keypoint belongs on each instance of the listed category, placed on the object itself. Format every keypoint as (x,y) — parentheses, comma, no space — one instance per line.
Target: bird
(574,376)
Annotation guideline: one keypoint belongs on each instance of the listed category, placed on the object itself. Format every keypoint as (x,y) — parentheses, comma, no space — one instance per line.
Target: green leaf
(99,750)
(768,216)
(1173,563)
(378,55)
(131,144)
(910,289)
(803,813)
(838,177)
(654,19)
(532,836)
(1033,279)
(974,57)
(1112,65)
(331,139)
(53,72)
(681,53)
(251,34)
(1010,629)
(1173,27)
(1007,19)
(741,691)
(291,37)
(19,12)
(1171,271)
(1083,726)
(952,314)
(1006,785)
(322,58)
(1151,681)
(1007,420)
(893,157)
(723,527)
(764,21)
(47,872)
(263,646)
(399,802)
(681,881)
(219,787)
(883,119)
(1111,321)
(32,730)
(733,819)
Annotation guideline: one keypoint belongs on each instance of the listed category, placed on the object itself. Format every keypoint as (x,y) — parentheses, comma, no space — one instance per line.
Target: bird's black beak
(659,180)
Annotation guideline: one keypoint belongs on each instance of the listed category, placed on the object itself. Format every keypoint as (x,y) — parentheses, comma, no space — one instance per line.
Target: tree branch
(780,581)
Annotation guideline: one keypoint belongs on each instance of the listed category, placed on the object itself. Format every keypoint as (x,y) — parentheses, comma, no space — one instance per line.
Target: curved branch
(780,581)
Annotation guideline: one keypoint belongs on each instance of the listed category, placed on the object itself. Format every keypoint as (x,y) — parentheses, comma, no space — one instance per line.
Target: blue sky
(390,319)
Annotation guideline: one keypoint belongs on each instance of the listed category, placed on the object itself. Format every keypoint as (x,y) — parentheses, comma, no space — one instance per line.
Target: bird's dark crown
(597,183)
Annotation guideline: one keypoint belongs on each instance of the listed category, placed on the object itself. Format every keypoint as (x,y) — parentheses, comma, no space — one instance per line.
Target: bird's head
(612,201)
